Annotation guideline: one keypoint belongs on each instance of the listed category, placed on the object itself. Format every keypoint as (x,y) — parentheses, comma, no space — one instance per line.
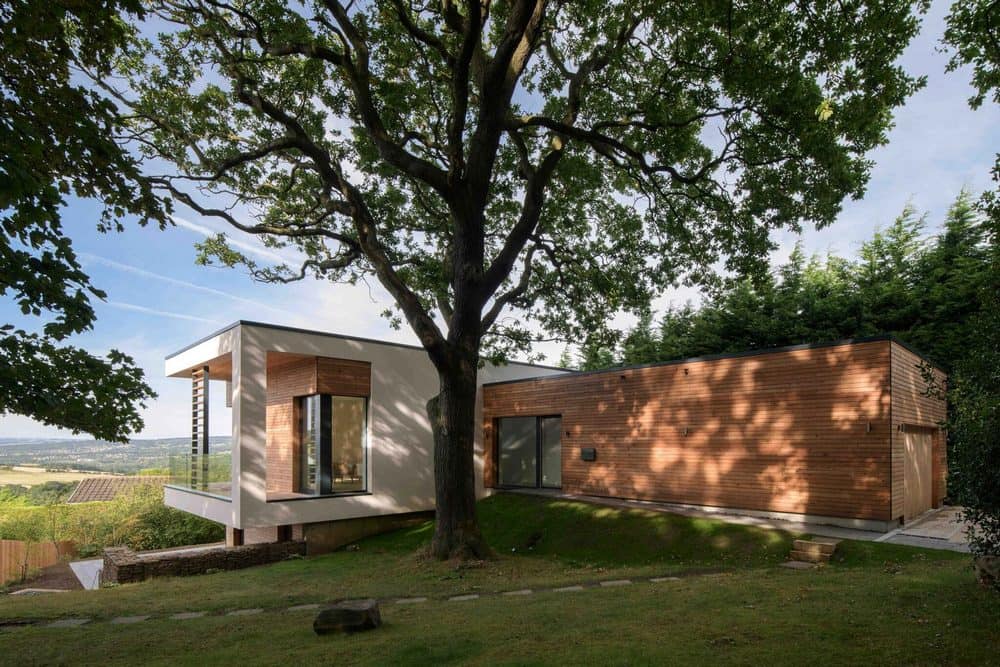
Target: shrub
(137,519)
(974,430)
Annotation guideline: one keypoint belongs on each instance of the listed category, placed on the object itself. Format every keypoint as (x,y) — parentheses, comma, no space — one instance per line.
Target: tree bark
(453,421)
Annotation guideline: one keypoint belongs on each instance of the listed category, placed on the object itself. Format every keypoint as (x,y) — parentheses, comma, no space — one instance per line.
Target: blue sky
(159,300)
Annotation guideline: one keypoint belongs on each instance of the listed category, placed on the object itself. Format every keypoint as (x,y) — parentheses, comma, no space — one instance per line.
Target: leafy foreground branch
(57,140)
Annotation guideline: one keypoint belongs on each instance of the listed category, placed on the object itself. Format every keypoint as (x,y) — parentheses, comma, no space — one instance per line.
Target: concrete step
(824,547)
(809,557)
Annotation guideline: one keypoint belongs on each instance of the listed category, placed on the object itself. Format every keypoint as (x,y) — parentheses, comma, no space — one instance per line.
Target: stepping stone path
(798,565)
(187,615)
(568,589)
(128,620)
(245,612)
(68,623)
(328,615)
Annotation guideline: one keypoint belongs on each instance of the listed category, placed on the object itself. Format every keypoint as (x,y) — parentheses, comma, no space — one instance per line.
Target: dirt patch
(58,576)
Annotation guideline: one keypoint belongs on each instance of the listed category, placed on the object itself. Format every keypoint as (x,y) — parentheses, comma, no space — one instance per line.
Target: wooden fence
(18,558)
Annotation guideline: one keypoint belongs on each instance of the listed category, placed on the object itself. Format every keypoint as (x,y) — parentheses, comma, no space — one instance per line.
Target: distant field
(29,476)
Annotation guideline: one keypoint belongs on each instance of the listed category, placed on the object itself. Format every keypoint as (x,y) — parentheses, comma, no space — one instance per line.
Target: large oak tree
(504,168)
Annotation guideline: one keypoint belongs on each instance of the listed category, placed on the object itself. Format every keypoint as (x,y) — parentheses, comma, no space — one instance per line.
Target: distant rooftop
(94,489)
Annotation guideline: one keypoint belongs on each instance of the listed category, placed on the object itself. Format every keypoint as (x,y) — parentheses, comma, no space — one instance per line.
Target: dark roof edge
(312,332)
(733,355)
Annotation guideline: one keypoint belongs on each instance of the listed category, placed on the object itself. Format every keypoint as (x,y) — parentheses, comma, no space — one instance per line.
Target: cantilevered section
(324,428)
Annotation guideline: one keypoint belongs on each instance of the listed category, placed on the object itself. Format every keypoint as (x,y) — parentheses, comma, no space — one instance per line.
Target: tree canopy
(58,139)
(503,167)
(927,292)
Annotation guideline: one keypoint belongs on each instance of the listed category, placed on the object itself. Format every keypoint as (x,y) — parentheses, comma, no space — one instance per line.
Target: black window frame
(538,451)
(324,449)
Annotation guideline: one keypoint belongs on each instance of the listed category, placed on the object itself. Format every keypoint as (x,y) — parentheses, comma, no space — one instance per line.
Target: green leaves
(57,139)
(927,293)
(68,387)
(546,167)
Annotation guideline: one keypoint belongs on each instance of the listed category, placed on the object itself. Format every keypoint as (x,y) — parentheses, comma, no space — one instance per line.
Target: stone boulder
(348,616)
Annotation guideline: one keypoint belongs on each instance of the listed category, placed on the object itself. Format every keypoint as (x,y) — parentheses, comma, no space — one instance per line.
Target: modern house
(331,439)
(840,433)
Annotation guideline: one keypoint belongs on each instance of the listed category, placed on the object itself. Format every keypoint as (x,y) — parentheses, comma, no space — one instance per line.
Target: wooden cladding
(913,407)
(804,430)
(295,376)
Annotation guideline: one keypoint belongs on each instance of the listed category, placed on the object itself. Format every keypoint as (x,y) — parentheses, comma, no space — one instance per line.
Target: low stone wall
(124,566)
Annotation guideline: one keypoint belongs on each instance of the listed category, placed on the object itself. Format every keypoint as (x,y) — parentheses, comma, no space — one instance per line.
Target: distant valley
(99,455)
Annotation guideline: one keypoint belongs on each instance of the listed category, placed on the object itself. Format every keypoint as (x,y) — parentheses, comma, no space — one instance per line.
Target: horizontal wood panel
(804,431)
(292,376)
(912,406)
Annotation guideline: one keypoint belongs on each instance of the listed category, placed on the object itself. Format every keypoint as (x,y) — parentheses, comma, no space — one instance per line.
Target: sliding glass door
(530,451)
(550,451)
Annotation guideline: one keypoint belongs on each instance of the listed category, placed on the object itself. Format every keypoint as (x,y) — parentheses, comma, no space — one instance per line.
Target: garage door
(917,486)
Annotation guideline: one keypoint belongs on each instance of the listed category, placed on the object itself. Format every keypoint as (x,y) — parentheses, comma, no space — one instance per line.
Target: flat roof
(732,355)
(312,332)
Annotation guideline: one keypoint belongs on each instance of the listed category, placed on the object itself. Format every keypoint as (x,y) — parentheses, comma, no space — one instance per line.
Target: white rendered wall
(400,461)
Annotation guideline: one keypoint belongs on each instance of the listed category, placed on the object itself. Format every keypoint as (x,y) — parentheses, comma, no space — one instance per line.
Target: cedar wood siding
(783,431)
(911,407)
(302,377)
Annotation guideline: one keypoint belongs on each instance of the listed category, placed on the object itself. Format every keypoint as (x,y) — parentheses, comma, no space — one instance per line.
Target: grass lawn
(876,602)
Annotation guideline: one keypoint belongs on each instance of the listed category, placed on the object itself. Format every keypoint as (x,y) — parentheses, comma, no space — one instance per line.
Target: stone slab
(660,580)
(568,589)
(463,598)
(303,607)
(616,582)
(245,612)
(798,565)
(187,615)
(128,620)
(68,623)
(524,591)
(410,600)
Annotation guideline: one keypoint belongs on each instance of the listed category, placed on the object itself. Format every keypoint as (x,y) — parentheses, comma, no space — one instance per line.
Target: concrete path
(88,572)
(940,528)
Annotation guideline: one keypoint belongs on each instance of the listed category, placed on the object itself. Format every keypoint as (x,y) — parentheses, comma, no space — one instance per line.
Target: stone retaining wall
(124,566)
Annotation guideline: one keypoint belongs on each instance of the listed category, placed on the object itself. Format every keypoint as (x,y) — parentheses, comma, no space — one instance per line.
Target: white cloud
(256,249)
(128,268)
(159,313)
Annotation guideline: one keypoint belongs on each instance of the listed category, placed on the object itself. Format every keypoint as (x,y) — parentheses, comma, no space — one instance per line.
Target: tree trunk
(453,420)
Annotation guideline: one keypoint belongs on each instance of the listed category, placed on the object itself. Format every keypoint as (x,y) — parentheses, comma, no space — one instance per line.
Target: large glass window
(518,464)
(333,451)
(348,444)
(550,446)
(530,451)
(309,438)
